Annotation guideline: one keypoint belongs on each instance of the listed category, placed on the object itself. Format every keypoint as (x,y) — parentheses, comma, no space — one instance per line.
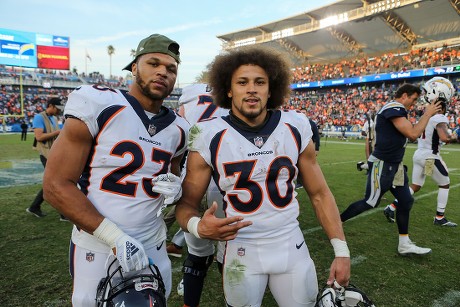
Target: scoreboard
(27,49)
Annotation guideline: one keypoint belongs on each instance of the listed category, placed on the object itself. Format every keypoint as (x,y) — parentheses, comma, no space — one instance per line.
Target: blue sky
(94,25)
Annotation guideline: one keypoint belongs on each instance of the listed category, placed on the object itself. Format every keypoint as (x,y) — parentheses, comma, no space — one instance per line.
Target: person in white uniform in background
(427,160)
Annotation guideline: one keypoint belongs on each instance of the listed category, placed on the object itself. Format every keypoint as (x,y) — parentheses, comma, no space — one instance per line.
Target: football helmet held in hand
(121,289)
(326,298)
(437,88)
(346,297)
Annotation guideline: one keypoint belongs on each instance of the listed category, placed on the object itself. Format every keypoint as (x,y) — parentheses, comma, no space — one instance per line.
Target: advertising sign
(27,49)
(53,57)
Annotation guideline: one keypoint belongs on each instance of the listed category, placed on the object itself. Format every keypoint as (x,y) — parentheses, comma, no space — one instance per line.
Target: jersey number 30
(272,184)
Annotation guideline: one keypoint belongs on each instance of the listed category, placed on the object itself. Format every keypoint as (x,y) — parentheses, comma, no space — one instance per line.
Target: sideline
(21,172)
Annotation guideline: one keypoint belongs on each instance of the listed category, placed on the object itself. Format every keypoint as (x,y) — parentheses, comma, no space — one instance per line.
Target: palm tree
(110,51)
(204,75)
(132,52)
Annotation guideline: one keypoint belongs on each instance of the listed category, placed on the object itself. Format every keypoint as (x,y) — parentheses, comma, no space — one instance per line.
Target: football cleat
(389,214)
(131,289)
(411,249)
(345,297)
(444,222)
(180,288)
(36,212)
(174,250)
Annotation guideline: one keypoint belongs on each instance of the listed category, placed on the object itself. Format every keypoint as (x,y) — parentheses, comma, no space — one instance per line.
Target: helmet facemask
(133,289)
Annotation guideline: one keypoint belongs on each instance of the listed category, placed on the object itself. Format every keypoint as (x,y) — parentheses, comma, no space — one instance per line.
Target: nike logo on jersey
(159,247)
(298,246)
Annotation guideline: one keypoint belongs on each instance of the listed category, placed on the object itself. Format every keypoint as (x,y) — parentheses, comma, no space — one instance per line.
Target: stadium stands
(387,62)
(332,108)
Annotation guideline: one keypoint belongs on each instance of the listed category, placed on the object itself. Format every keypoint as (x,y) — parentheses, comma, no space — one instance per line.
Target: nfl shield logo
(90,257)
(241,251)
(152,130)
(259,141)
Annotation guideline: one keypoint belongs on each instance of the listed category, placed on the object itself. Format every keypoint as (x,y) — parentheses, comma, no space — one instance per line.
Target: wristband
(108,232)
(192,226)
(340,248)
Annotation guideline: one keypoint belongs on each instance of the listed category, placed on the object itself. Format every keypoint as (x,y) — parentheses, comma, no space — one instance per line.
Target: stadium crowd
(385,63)
(39,85)
(41,76)
(35,100)
(347,107)
(344,106)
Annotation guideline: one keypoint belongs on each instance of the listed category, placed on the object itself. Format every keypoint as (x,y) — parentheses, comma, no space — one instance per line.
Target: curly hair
(275,64)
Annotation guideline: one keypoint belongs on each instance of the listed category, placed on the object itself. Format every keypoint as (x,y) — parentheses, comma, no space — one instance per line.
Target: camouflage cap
(156,43)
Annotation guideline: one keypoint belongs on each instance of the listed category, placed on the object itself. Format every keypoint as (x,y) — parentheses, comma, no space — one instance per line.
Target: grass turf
(34,252)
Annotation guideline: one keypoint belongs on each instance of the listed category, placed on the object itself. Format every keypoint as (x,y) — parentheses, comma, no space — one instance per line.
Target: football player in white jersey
(196,105)
(113,149)
(254,156)
(427,160)
(368,132)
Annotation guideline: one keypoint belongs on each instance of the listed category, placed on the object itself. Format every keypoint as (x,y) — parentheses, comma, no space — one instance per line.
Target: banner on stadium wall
(417,73)
(27,49)
(53,57)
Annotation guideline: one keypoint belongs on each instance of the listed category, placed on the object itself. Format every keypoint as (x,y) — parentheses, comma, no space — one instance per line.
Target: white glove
(130,252)
(169,185)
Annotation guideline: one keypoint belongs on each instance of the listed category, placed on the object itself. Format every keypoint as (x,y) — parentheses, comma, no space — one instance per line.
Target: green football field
(34,252)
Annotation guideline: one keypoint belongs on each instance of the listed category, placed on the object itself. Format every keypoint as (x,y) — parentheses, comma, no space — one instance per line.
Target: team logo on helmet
(438,88)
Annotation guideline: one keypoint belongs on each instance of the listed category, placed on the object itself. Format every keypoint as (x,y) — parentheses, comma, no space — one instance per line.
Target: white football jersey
(429,140)
(369,126)
(197,103)
(256,170)
(129,149)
